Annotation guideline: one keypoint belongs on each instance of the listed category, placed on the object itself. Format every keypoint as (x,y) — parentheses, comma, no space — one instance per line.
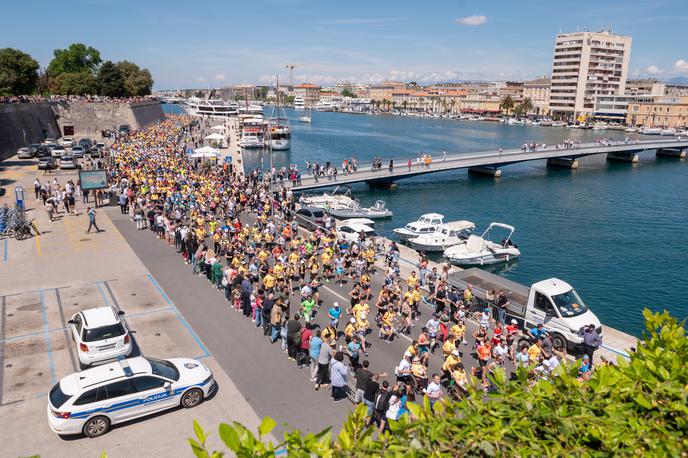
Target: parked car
(42,151)
(100,145)
(48,140)
(310,217)
(68,162)
(46,163)
(33,147)
(58,151)
(99,335)
(86,143)
(351,229)
(124,129)
(78,151)
(52,146)
(89,402)
(67,142)
(24,153)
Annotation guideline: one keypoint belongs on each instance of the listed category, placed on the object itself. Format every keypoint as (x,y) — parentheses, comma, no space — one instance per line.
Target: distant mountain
(680,80)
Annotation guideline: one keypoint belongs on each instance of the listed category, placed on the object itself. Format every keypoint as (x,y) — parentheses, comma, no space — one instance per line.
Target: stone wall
(90,119)
(24,123)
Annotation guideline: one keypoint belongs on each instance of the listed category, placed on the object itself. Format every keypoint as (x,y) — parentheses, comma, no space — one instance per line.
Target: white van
(90,401)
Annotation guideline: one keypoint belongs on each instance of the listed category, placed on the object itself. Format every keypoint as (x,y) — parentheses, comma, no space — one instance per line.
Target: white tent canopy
(203,155)
(219,127)
(215,137)
(206,150)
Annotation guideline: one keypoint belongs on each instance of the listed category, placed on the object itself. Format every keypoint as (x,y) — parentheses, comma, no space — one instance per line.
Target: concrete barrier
(24,123)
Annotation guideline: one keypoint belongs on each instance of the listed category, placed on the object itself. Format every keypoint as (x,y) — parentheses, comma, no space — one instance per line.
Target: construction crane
(291,68)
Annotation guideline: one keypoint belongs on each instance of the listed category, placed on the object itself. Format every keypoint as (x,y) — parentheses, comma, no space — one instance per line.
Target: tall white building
(586,65)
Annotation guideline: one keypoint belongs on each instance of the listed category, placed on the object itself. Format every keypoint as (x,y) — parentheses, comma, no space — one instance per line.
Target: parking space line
(31,334)
(4,252)
(46,334)
(114,299)
(150,312)
(66,330)
(180,317)
(102,293)
(2,344)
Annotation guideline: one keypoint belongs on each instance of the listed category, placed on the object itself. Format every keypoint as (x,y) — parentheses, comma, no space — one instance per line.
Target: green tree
(110,80)
(76,58)
(138,81)
(636,408)
(507,104)
(347,93)
(18,72)
(74,83)
(526,106)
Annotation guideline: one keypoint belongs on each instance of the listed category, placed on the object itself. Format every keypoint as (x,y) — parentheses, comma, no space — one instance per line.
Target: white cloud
(653,70)
(472,20)
(681,66)
(201,79)
(220,77)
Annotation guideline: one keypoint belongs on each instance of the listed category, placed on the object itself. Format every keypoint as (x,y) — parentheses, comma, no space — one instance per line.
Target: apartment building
(384,91)
(585,65)
(676,90)
(309,92)
(537,91)
(645,87)
(666,112)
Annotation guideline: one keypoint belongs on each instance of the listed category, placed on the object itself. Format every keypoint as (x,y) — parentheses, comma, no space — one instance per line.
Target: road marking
(48,342)
(4,253)
(180,317)
(38,245)
(102,293)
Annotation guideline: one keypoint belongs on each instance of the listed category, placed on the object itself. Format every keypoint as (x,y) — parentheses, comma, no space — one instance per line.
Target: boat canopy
(461,225)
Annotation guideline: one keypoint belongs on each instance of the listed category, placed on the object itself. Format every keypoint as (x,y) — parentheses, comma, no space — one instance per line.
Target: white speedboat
(377,211)
(651,131)
(481,250)
(447,235)
(426,224)
(340,197)
(667,132)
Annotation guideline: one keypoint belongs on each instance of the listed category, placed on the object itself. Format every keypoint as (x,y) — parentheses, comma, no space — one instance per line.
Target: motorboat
(251,137)
(340,197)
(377,211)
(447,235)
(667,132)
(651,131)
(307,117)
(630,129)
(481,250)
(211,107)
(426,224)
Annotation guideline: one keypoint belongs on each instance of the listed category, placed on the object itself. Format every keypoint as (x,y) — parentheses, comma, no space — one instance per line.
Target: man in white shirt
(434,390)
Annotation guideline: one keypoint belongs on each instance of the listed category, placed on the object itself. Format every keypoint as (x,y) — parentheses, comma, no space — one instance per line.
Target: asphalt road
(272,384)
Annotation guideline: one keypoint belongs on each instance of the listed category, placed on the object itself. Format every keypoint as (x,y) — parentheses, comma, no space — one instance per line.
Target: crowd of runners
(238,233)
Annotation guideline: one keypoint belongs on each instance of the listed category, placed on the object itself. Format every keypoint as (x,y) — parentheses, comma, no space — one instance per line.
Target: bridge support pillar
(672,152)
(485,171)
(563,162)
(624,156)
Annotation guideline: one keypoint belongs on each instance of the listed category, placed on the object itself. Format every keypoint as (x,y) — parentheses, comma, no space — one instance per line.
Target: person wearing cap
(403,370)
(448,346)
(419,373)
(350,330)
(585,368)
(591,341)
(333,314)
(450,362)
(537,331)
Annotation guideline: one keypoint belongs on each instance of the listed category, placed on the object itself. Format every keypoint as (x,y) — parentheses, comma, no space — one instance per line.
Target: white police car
(90,401)
(99,335)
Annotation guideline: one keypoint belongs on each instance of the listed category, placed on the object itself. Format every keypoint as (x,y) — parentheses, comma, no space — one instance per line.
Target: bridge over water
(490,162)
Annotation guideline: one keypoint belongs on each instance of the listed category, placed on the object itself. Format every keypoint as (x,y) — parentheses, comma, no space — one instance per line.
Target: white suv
(100,335)
(67,142)
(90,401)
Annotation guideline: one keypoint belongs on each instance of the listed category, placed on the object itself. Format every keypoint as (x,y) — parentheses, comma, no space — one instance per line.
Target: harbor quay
(198,284)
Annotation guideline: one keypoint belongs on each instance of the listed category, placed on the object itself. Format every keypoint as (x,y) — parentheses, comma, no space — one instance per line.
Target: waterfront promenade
(489,162)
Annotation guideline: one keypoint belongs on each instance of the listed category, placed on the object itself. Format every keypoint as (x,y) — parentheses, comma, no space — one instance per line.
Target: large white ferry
(299,104)
(211,107)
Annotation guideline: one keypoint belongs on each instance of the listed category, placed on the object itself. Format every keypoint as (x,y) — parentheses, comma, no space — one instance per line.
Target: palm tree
(526,105)
(507,104)
(403,104)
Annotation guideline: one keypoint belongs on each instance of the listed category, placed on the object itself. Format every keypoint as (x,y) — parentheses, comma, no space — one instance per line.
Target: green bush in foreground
(638,407)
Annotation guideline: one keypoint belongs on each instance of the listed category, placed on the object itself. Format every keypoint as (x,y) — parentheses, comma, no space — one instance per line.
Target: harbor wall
(24,123)
(90,119)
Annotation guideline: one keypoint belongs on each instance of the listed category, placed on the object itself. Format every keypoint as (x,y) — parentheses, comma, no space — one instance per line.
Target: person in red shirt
(306,336)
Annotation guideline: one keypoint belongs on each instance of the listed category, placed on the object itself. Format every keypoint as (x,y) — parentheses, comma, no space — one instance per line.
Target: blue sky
(197,43)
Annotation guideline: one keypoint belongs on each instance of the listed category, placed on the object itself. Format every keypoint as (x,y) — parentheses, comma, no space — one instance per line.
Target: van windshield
(569,304)
(163,368)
